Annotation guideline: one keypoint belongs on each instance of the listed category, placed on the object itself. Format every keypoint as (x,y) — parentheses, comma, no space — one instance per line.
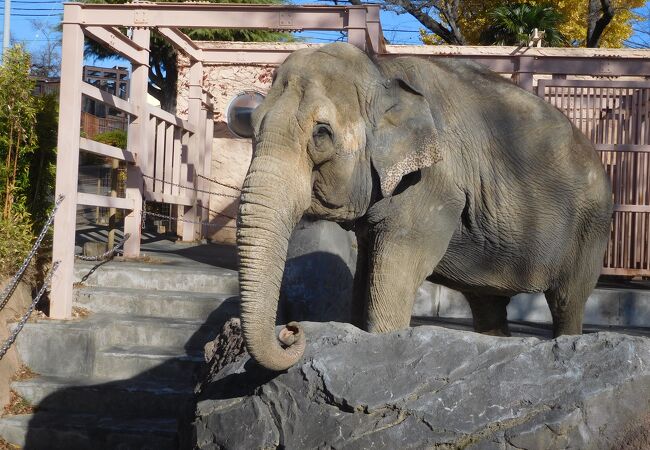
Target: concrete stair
(120,377)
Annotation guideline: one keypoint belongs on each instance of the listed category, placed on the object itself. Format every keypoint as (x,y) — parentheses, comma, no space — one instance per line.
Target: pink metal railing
(614,115)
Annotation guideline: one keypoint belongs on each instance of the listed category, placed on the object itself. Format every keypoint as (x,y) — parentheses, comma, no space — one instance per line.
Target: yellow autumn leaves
(473,19)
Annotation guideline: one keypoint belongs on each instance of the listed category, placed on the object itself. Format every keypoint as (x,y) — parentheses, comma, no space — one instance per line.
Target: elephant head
(332,136)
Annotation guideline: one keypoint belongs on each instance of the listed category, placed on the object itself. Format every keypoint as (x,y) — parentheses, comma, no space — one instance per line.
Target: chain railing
(178,219)
(21,324)
(8,291)
(13,283)
(220,183)
(108,254)
(171,183)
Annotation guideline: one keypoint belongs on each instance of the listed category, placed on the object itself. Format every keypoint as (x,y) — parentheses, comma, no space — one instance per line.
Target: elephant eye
(322,130)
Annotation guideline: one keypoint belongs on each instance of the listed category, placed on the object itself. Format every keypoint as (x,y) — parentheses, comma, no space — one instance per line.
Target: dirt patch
(4,445)
(636,436)
(17,405)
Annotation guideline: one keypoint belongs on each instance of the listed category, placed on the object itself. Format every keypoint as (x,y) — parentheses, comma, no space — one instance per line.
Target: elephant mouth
(324,209)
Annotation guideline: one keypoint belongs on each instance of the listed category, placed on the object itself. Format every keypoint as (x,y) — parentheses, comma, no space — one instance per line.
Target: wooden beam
(245,55)
(104,201)
(67,174)
(105,97)
(182,42)
(206,15)
(113,39)
(622,148)
(109,151)
(632,208)
(170,118)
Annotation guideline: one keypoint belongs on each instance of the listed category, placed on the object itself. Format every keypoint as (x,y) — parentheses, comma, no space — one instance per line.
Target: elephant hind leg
(568,299)
(489,313)
(567,304)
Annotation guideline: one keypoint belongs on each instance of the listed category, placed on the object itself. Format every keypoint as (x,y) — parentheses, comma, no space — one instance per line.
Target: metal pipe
(5,35)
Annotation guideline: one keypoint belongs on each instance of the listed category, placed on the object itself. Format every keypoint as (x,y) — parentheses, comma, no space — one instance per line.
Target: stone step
(176,304)
(57,431)
(123,398)
(123,330)
(161,277)
(58,347)
(70,348)
(120,362)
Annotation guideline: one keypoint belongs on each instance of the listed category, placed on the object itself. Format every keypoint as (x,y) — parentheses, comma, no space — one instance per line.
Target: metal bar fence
(614,115)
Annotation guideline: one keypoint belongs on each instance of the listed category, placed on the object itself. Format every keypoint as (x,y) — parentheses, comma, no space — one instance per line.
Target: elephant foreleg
(397,267)
(360,286)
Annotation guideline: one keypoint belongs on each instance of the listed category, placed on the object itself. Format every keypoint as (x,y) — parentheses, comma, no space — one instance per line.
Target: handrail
(170,118)
(95,93)
(109,151)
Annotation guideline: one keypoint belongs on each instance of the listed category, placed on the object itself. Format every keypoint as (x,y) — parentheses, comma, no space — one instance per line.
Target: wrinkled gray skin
(445,170)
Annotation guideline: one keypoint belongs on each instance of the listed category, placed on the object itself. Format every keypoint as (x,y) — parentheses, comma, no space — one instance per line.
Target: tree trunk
(600,14)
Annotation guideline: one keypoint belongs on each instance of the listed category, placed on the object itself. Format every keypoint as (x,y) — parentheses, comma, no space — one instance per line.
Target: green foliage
(17,239)
(18,138)
(28,129)
(42,164)
(513,23)
(116,138)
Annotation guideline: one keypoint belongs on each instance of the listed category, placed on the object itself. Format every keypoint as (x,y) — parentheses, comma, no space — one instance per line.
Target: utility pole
(5,35)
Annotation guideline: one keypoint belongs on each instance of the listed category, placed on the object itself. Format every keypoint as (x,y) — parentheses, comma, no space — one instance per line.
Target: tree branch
(451,36)
(601,14)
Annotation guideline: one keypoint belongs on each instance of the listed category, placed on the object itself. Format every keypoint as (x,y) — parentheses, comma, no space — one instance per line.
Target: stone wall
(231,155)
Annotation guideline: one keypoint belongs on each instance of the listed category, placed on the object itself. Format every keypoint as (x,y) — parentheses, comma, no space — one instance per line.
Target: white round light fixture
(239,112)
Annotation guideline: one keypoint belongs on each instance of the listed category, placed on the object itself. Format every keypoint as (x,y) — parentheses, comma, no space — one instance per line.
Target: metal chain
(14,334)
(189,188)
(219,182)
(108,254)
(178,219)
(11,287)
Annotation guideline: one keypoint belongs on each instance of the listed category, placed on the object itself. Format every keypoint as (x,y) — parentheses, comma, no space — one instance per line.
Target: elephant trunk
(272,202)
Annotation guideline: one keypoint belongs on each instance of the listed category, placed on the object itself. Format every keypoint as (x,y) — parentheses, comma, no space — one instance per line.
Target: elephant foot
(497,332)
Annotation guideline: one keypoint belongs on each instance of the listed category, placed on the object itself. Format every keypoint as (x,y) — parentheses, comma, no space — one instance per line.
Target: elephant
(445,171)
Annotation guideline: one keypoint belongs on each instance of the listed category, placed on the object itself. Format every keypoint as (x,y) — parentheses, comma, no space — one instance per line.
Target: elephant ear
(404,133)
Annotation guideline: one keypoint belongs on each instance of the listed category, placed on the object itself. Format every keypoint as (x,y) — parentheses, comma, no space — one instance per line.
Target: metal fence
(614,115)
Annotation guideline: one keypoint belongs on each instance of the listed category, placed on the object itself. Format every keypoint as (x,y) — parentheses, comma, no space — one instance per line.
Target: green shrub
(17,239)
(116,138)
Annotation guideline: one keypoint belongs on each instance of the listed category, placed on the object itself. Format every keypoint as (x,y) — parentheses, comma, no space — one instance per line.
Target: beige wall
(230,155)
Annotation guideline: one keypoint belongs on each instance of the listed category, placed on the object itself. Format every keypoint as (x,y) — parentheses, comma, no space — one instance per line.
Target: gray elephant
(445,170)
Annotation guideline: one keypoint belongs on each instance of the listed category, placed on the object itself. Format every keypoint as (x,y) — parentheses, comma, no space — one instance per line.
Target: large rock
(429,386)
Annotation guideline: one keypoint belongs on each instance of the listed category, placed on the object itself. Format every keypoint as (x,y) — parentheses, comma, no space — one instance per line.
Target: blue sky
(398,29)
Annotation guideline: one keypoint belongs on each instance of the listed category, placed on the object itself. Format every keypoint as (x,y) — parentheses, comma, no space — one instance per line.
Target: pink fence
(615,116)
(168,157)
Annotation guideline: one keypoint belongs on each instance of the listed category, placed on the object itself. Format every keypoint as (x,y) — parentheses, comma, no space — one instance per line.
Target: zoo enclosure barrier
(169,157)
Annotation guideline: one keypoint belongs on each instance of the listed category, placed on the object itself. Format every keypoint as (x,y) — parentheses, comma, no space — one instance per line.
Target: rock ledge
(427,387)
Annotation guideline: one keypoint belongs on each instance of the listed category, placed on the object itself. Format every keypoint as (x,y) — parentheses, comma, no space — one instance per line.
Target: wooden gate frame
(103,23)
(191,138)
